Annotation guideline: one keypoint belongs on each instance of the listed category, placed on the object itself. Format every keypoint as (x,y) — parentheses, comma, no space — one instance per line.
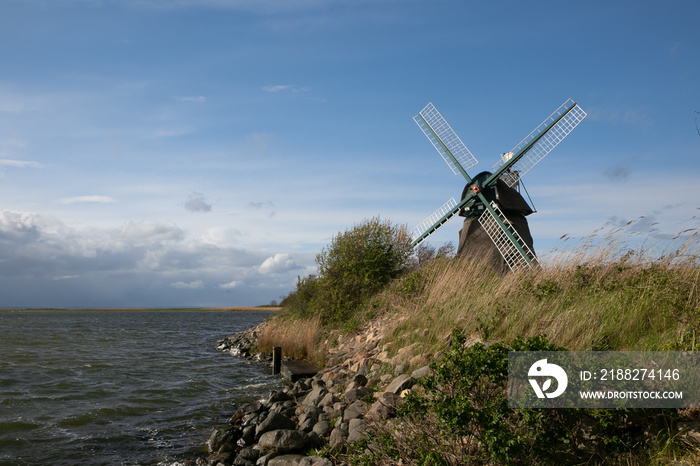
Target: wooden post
(276,360)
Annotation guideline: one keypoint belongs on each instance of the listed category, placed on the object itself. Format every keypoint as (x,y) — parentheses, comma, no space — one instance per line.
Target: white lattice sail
(447,209)
(505,245)
(573,115)
(441,135)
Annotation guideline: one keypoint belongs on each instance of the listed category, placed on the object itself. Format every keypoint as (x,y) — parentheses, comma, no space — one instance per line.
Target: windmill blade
(445,140)
(505,237)
(438,218)
(541,141)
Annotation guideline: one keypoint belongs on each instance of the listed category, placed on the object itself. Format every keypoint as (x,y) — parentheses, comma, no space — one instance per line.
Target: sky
(201,153)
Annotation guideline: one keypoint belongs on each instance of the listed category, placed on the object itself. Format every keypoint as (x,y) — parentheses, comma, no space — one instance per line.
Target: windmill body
(493,208)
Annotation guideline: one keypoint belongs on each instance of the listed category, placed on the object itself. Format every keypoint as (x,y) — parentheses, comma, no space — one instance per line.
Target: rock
(315,461)
(274,421)
(400,383)
(421,372)
(690,432)
(356,430)
(338,438)
(246,457)
(315,396)
(223,439)
(252,408)
(277,397)
(322,428)
(384,408)
(356,394)
(286,460)
(355,410)
(282,441)
(328,400)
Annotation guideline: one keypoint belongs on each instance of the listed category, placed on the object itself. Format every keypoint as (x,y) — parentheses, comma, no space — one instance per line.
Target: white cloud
(230,285)
(199,98)
(93,198)
(195,285)
(277,264)
(286,88)
(151,231)
(20,163)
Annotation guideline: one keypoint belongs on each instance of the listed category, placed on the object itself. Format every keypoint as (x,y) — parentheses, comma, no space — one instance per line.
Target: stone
(315,461)
(322,428)
(421,372)
(356,430)
(277,397)
(223,439)
(384,408)
(246,457)
(328,400)
(282,441)
(338,438)
(286,460)
(355,410)
(399,384)
(355,394)
(274,421)
(315,396)
(690,432)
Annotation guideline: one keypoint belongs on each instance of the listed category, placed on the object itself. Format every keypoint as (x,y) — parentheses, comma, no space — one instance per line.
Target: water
(115,387)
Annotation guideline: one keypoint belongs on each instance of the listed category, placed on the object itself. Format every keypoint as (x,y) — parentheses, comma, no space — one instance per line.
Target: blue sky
(201,153)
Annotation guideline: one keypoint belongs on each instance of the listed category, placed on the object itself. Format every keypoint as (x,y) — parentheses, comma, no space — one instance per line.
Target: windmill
(491,203)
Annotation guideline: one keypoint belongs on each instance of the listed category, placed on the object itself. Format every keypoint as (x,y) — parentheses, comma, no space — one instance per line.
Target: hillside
(600,297)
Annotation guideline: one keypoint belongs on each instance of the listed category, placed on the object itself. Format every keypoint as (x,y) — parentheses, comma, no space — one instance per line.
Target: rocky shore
(360,387)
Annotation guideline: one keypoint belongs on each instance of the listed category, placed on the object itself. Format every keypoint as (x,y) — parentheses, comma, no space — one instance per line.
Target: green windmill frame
(514,164)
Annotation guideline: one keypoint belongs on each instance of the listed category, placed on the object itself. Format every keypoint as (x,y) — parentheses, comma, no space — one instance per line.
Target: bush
(355,266)
(460,415)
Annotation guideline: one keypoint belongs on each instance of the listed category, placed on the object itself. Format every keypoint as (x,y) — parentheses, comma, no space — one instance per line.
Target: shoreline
(146,309)
(358,390)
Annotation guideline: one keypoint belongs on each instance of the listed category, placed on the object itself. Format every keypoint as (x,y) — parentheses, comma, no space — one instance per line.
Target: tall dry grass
(609,291)
(299,338)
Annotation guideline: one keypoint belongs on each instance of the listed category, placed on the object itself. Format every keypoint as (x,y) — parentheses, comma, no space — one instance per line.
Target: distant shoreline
(131,309)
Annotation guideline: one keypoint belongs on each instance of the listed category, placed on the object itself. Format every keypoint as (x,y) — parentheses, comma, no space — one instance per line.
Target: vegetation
(356,265)
(609,292)
(460,415)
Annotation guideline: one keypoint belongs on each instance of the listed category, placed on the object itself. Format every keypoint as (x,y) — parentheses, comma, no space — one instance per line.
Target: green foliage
(460,415)
(356,265)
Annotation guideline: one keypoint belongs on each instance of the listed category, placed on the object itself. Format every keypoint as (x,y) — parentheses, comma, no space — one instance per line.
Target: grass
(614,290)
(299,338)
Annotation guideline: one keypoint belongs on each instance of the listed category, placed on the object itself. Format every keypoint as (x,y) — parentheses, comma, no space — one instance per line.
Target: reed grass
(298,337)
(611,291)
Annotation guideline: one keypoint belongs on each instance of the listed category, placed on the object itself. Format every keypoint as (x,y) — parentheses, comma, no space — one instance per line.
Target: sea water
(119,387)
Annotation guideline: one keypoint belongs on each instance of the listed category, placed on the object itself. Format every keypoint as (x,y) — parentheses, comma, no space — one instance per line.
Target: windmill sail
(541,141)
(438,218)
(505,237)
(445,140)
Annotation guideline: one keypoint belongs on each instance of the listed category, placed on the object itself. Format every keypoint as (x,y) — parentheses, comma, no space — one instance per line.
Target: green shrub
(355,266)
(460,415)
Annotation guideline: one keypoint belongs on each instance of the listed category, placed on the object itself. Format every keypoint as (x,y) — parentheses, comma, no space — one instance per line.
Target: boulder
(384,408)
(282,441)
(286,460)
(355,410)
(315,461)
(274,421)
(356,430)
(338,438)
(322,428)
(223,439)
(400,383)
